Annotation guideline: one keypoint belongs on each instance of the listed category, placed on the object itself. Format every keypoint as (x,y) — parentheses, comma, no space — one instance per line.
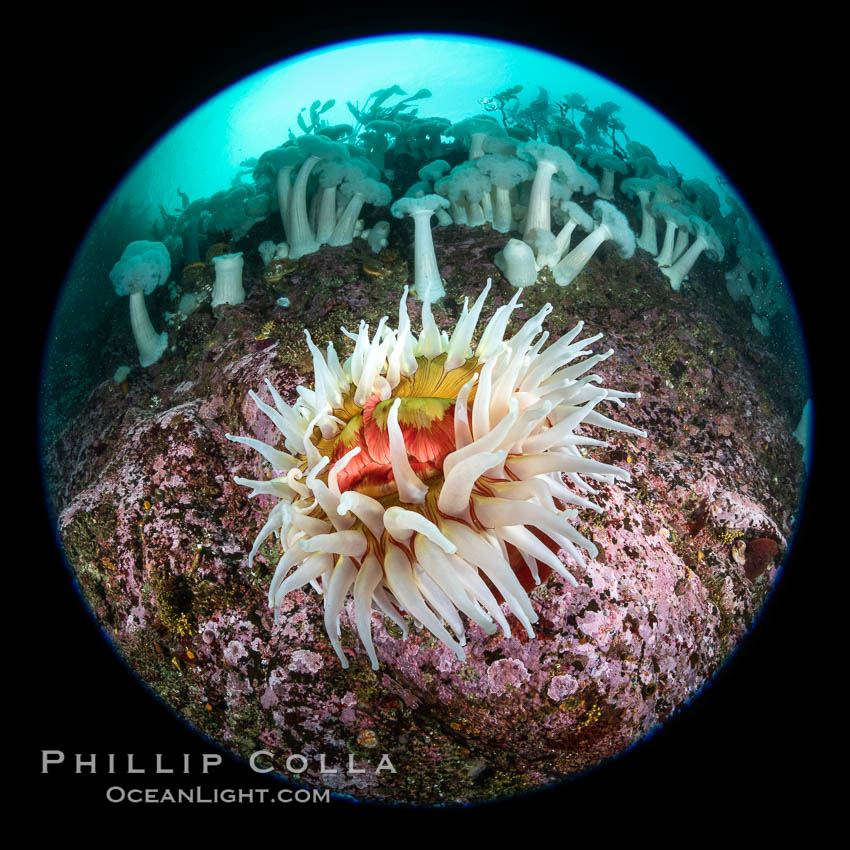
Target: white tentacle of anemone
(421,476)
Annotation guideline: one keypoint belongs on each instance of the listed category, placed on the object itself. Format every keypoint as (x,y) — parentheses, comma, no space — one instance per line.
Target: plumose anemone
(427,477)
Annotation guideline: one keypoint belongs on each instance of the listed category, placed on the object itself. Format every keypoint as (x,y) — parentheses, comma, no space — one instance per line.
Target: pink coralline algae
(158,533)
(561,687)
(505,674)
(304,661)
(233,652)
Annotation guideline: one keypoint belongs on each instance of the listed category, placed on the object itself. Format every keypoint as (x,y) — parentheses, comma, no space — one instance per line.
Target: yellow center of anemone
(426,399)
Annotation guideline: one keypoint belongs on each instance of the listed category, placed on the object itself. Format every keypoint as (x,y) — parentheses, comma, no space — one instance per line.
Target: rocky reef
(157,531)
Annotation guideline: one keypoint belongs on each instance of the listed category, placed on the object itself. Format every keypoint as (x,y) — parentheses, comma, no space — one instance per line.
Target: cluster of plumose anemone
(537,177)
(426,477)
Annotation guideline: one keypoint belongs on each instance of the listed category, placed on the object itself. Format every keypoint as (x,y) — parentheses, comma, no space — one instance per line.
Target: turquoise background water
(203,152)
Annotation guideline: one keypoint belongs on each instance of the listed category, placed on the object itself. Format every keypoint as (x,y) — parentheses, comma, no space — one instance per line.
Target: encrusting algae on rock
(427,477)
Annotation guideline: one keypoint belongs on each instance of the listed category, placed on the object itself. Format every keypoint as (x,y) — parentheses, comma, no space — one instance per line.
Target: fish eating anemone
(427,477)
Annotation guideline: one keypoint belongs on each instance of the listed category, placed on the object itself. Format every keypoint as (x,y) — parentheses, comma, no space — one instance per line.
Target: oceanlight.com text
(118,794)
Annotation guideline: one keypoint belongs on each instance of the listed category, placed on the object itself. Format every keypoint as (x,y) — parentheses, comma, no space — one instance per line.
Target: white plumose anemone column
(516,261)
(550,160)
(426,274)
(142,268)
(707,241)
(151,345)
(539,207)
(566,271)
(612,224)
(228,287)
